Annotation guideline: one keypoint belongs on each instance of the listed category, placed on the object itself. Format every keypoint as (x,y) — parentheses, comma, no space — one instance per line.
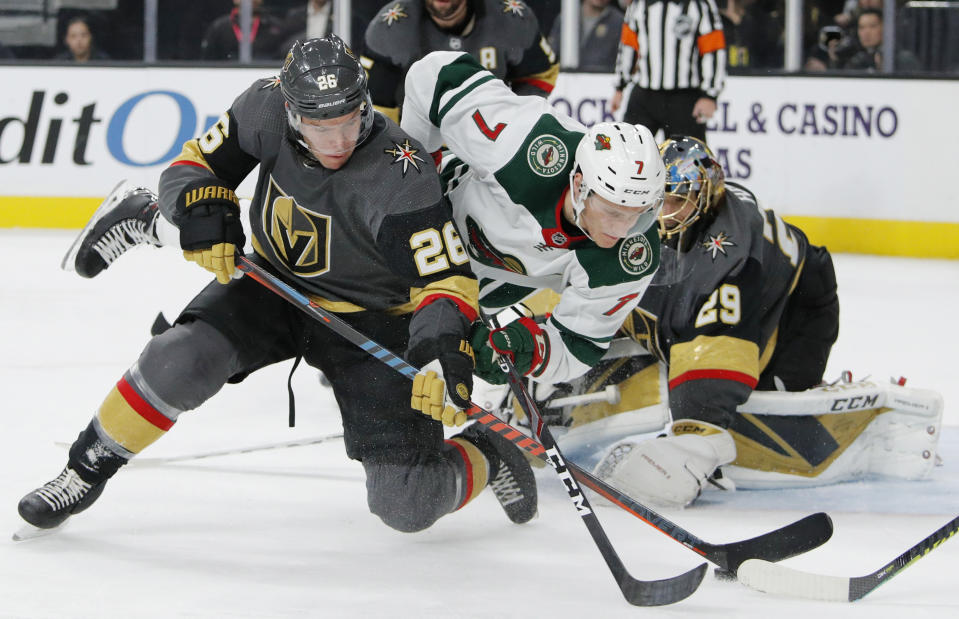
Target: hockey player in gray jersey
(348,210)
(503,35)
(542,204)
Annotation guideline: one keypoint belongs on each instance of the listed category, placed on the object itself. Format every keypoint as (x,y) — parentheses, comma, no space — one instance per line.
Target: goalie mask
(695,184)
(322,82)
(620,163)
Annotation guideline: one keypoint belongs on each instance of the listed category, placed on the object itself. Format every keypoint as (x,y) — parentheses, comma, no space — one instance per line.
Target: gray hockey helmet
(322,78)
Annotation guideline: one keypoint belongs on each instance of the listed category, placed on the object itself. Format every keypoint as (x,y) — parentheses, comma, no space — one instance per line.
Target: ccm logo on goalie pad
(855,403)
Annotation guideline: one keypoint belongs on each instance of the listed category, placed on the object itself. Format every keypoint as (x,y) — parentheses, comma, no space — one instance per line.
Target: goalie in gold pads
(730,341)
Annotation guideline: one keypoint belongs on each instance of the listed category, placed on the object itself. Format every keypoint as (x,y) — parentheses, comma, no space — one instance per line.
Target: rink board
(847,159)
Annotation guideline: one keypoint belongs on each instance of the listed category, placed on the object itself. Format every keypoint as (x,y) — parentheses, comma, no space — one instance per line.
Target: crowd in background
(839,35)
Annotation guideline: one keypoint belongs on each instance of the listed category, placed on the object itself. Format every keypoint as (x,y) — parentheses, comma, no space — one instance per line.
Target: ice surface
(287,533)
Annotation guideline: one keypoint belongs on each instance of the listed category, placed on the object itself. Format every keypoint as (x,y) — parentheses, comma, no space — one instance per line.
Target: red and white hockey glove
(522,341)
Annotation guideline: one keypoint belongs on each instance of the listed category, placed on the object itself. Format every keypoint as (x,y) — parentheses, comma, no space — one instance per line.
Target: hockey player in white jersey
(540,203)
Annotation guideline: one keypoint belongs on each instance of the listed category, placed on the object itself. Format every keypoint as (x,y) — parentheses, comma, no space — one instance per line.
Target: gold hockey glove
(211,235)
(443,387)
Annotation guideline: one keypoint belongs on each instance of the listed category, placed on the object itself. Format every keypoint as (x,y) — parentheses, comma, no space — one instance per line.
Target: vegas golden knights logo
(299,237)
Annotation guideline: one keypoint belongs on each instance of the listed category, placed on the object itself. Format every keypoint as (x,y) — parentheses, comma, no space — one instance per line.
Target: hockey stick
(609,395)
(224,452)
(793,539)
(782,580)
(239,450)
(636,592)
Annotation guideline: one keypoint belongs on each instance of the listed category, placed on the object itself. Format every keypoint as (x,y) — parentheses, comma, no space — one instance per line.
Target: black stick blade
(793,539)
(661,592)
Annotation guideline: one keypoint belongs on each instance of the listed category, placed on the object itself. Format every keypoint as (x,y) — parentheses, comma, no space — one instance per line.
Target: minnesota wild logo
(481,250)
(547,155)
(635,254)
(602,142)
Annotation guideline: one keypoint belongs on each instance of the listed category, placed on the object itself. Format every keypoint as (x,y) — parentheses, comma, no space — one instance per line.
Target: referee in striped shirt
(674,53)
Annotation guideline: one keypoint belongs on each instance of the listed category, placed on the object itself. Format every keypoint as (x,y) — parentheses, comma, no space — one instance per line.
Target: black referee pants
(669,110)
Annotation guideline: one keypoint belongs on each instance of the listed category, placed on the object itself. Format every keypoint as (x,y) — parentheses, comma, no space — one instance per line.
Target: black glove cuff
(458,373)
(208,212)
(436,348)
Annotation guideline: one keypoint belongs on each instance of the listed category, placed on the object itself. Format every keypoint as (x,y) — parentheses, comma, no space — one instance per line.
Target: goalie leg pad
(904,445)
(898,440)
(669,471)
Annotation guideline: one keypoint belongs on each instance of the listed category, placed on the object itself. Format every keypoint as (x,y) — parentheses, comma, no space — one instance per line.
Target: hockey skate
(511,478)
(51,504)
(125,219)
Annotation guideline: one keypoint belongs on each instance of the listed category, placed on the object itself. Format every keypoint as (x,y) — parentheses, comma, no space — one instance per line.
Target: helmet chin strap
(579,204)
(293,119)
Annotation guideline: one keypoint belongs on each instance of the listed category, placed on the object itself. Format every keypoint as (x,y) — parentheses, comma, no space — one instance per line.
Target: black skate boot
(125,219)
(55,501)
(511,478)
(90,465)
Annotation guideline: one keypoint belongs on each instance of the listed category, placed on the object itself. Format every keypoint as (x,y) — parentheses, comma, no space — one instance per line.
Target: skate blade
(69,260)
(28,532)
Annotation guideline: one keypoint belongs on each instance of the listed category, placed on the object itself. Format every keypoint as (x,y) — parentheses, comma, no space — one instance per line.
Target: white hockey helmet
(620,162)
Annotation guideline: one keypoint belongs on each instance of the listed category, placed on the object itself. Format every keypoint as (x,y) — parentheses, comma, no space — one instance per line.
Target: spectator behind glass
(751,35)
(600,22)
(831,52)
(222,38)
(816,15)
(852,9)
(869,57)
(315,19)
(80,43)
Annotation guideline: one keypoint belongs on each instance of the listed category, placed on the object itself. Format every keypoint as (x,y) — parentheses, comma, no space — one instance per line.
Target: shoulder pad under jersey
(395,172)
(394,32)
(260,107)
(513,17)
(737,230)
